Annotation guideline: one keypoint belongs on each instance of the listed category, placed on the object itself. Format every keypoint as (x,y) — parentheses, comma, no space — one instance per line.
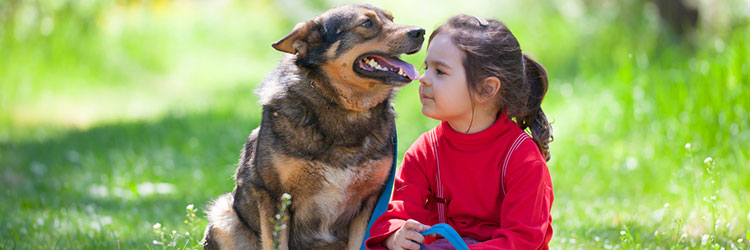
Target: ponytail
(535,76)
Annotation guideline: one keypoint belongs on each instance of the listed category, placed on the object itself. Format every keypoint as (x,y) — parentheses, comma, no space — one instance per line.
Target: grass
(116,116)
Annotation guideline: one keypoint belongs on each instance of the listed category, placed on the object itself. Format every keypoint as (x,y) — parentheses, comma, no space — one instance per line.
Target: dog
(325,137)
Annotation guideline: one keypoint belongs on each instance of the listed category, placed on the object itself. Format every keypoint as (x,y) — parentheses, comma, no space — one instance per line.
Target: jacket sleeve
(410,192)
(525,210)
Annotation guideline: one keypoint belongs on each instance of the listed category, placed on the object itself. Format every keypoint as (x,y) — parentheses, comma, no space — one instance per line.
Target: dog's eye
(367,23)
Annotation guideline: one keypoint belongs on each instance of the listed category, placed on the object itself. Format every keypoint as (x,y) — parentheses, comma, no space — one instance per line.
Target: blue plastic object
(449,234)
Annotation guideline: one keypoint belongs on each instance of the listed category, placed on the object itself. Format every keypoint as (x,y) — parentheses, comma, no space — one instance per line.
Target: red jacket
(502,205)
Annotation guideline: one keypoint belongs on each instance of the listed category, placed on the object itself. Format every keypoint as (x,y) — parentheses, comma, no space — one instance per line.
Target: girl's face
(443,90)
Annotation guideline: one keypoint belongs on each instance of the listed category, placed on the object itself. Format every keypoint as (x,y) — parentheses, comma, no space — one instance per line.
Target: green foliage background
(115,115)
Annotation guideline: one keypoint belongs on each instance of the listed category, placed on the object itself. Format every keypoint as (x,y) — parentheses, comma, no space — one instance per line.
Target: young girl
(478,170)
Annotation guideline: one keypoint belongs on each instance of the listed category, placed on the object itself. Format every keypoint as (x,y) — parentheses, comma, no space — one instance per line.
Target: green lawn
(116,116)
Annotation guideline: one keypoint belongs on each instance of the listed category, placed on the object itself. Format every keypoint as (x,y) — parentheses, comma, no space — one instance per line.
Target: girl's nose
(424,81)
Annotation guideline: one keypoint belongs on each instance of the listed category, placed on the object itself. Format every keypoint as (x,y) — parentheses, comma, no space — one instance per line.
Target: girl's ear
(489,89)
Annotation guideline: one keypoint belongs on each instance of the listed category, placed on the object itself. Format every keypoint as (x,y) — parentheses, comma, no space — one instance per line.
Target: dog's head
(355,45)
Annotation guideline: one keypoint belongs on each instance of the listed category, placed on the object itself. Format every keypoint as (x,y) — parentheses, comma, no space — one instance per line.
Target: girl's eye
(367,23)
(439,72)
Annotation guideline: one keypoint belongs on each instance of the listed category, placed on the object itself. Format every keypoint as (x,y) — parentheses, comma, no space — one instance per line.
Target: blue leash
(385,197)
(449,234)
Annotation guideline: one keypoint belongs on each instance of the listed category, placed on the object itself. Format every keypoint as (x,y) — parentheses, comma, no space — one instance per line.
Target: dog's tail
(224,230)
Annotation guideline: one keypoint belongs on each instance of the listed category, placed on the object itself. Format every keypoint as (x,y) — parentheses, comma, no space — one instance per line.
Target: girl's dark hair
(490,49)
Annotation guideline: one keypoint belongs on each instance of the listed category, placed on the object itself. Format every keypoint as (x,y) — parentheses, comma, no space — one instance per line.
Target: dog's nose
(417,33)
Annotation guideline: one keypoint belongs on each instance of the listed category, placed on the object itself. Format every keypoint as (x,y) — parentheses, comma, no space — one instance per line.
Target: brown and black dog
(326,134)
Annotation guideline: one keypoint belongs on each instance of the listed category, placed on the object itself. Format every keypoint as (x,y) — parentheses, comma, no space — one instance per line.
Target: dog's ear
(298,41)
(388,15)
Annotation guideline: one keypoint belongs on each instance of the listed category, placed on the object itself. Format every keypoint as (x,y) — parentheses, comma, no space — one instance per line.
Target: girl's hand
(407,236)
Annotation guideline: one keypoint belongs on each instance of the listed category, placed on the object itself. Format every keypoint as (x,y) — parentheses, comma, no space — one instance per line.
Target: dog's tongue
(408,68)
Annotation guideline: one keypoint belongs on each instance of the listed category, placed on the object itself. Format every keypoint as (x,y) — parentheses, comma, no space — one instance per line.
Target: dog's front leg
(358,226)
(267,208)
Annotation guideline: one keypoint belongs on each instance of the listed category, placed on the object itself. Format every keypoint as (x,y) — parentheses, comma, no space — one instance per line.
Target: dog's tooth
(372,63)
(400,71)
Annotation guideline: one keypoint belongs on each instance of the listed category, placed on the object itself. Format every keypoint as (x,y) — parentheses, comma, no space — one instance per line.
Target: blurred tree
(678,16)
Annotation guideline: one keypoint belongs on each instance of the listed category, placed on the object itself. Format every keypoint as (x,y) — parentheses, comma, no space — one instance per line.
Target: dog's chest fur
(338,197)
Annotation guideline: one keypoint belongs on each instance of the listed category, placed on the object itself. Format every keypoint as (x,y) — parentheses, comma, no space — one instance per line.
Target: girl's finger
(414,236)
(411,224)
(408,244)
(415,225)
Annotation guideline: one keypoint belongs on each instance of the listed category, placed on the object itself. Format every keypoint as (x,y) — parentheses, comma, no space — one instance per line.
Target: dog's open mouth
(386,67)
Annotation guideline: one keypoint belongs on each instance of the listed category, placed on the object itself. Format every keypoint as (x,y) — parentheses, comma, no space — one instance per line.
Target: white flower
(286,196)
(631,163)
(622,232)
(666,205)
(704,239)
(157,226)
(155,242)
(687,146)
(189,207)
(708,160)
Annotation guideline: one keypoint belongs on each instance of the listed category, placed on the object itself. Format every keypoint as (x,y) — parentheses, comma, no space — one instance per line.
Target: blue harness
(385,197)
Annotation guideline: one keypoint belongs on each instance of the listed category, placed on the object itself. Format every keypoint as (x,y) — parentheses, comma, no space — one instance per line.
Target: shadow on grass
(93,188)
